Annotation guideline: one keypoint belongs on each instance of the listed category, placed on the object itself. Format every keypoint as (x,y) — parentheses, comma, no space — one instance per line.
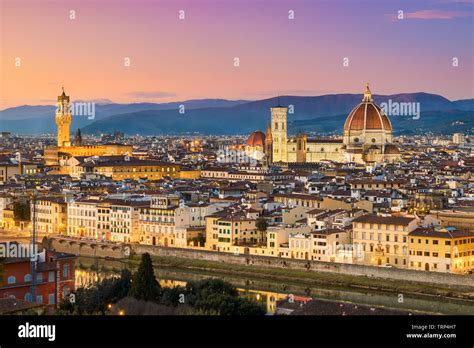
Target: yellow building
(226,231)
(382,240)
(441,250)
(50,215)
(132,168)
(8,219)
(57,155)
(193,174)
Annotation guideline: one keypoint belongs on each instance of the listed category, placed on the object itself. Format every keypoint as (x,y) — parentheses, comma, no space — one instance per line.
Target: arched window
(11,280)
(27,278)
(28,297)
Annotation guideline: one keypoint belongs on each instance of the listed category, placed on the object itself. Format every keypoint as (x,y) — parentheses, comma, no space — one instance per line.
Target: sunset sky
(174,60)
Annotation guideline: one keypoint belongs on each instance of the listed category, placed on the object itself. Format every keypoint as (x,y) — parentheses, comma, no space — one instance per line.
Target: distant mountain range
(323,114)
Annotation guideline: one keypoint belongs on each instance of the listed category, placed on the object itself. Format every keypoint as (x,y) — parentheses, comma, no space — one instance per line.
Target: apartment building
(49,214)
(331,245)
(382,239)
(125,220)
(82,218)
(5,201)
(447,250)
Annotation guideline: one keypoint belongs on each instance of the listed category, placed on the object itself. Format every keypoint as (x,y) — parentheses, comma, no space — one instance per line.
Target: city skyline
(239,159)
(173,59)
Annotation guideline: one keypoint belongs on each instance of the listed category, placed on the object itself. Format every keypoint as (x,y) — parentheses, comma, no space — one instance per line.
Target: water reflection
(85,277)
(90,271)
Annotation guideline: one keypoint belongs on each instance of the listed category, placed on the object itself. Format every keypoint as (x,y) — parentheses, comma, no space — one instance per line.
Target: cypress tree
(144,284)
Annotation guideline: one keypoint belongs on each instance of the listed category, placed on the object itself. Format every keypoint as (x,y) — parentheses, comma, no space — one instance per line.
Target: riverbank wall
(95,249)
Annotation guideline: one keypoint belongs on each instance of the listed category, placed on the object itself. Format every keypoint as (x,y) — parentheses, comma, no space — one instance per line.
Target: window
(66,271)
(28,297)
(11,280)
(435,242)
(51,276)
(447,242)
(39,299)
(27,278)
(51,299)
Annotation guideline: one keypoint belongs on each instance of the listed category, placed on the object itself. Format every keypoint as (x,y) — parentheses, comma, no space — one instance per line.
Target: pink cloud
(436,14)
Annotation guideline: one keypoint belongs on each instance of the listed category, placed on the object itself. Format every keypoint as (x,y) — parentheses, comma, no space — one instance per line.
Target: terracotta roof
(257,138)
(391,150)
(367,115)
(445,233)
(387,220)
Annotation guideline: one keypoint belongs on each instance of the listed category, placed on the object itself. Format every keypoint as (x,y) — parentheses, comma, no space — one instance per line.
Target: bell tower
(269,145)
(63,120)
(279,133)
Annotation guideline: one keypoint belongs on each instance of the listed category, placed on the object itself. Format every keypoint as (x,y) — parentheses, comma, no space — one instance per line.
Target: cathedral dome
(257,138)
(367,116)
(391,150)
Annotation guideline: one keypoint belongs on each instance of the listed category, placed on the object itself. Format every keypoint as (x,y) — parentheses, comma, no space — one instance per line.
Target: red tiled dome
(367,115)
(257,138)
(391,150)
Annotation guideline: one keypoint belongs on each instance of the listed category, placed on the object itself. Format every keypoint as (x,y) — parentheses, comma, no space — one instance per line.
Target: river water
(91,270)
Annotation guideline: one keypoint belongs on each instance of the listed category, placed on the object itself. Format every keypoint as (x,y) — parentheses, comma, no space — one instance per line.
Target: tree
(95,298)
(21,210)
(215,296)
(262,226)
(144,284)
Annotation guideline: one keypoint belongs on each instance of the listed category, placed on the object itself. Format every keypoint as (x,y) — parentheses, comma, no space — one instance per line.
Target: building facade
(367,138)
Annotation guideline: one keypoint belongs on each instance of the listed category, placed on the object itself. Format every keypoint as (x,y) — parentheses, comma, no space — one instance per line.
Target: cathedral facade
(367,139)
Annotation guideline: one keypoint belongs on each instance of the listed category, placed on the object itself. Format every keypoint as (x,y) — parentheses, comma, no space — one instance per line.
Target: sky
(86,46)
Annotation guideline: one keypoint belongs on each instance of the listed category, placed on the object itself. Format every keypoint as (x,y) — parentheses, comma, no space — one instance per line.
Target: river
(91,270)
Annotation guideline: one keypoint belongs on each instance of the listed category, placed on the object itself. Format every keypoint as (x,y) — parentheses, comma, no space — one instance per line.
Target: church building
(367,139)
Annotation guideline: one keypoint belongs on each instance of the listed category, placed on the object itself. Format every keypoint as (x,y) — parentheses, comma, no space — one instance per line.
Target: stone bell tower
(279,133)
(63,120)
